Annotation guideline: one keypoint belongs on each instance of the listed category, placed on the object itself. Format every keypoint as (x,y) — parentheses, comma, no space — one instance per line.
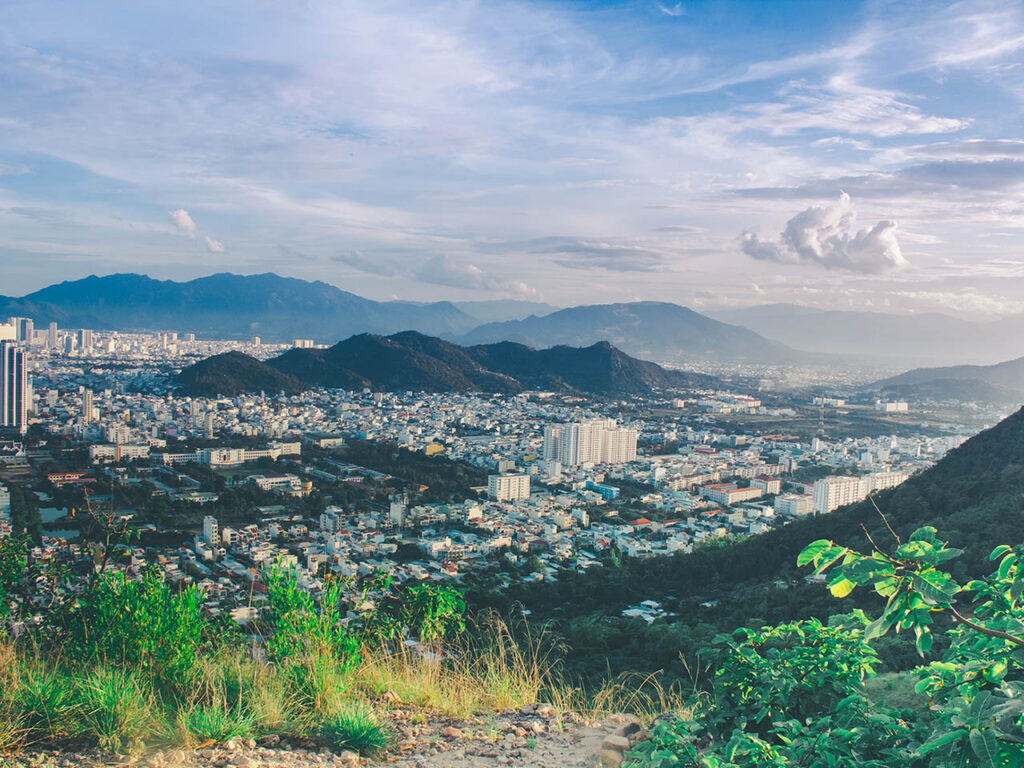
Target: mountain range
(648,329)
(413,361)
(282,309)
(1001,383)
(230,306)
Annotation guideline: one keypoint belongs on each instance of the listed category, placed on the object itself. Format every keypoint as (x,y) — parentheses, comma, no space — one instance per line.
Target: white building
(596,441)
(14,392)
(508,487)
(211,530)
(794,504)
(834,491)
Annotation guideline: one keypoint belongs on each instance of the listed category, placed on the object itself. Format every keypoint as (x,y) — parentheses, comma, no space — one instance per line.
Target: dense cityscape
(222,488)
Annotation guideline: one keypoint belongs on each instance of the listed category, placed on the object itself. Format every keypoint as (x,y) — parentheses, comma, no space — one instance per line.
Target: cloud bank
(826,235)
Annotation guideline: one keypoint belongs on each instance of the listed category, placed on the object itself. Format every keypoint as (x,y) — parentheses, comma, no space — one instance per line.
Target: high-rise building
(211,530)
(87,406)
(508,487)
(84,339)
(14,391)
(51,336)
(597,441)
(24,329)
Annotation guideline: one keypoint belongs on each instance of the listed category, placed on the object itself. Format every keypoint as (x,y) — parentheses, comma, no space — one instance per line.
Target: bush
(213,721)
(141,624)
(46,703)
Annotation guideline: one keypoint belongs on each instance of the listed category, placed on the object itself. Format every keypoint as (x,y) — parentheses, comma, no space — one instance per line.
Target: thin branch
(985,630)
(884,520)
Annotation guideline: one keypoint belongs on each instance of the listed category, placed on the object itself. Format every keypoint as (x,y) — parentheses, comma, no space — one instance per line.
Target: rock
(349,757)
(639,736)
(270,741)
(613,750)
(545,710)
(529,709)
(451,732)
(538,728)
(241,761)
(391,697)
(628,730)
(208,754)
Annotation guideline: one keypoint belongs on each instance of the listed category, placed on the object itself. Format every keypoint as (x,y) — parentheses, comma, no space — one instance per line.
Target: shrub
(143,625)
(301,625)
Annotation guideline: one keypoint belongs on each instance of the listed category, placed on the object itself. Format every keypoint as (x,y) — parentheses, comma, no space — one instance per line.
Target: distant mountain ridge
(225,305)
(281,309)
(648,329)
(999,383)
(414,361)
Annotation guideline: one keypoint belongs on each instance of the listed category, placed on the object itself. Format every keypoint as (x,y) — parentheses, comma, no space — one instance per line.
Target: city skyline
(858,156)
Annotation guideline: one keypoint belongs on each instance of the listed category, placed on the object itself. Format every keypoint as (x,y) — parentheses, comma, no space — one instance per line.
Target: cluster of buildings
(567,479)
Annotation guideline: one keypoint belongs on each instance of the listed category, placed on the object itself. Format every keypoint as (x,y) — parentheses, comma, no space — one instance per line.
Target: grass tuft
(355,728)
(118,710)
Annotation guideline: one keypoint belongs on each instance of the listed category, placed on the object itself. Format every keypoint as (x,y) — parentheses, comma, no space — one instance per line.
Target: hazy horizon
(863,156)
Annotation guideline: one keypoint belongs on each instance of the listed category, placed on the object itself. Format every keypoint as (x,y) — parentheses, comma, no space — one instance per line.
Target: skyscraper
(596,441)
(87,406)
(13,387)
(51,336)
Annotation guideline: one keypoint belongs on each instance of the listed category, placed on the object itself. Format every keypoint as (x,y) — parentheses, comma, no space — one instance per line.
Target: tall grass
(229,694)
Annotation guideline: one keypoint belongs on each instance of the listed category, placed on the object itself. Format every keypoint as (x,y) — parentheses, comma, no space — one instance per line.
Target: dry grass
(491,672)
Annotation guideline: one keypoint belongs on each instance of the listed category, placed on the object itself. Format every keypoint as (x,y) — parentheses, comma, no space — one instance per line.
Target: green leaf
(925,533)
(812,551)
(942,740)
(999,551)
(984,745)
(935,586)
(841,588)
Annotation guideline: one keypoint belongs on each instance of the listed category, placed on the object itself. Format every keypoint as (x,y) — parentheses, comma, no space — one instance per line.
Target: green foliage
(356,729)
(977,689)
(793,670)
(141,624)
(430,612)
(302,626)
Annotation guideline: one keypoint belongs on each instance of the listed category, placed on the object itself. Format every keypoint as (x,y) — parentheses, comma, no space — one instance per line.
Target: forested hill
(974,497)
(413,361)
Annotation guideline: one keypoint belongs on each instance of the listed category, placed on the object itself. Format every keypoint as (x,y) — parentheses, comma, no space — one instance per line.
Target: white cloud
(826,235)
(182,222)
(213,245)
(672,10)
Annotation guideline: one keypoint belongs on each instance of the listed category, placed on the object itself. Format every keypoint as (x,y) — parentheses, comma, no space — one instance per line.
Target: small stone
(613,750)
(529,709)
(391,697)
(451,732)
(241,761)
(349,758)
(545,710)
(230,745)
(208,754)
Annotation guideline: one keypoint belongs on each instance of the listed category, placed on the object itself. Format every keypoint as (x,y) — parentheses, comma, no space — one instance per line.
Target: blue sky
(839,154)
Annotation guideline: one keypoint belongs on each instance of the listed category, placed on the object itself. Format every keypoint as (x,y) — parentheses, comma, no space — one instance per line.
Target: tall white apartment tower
(13,387)
(211,530)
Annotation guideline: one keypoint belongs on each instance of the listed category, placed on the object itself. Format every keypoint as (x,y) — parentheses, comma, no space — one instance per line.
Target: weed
(355,728)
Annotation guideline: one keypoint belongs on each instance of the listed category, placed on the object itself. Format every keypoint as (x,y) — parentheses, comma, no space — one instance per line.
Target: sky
(716,154)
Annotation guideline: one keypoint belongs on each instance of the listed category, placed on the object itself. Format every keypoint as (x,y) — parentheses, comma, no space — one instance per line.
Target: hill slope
(1000,383)
(234,373)
(413,361)
(647,329)
(229,306)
